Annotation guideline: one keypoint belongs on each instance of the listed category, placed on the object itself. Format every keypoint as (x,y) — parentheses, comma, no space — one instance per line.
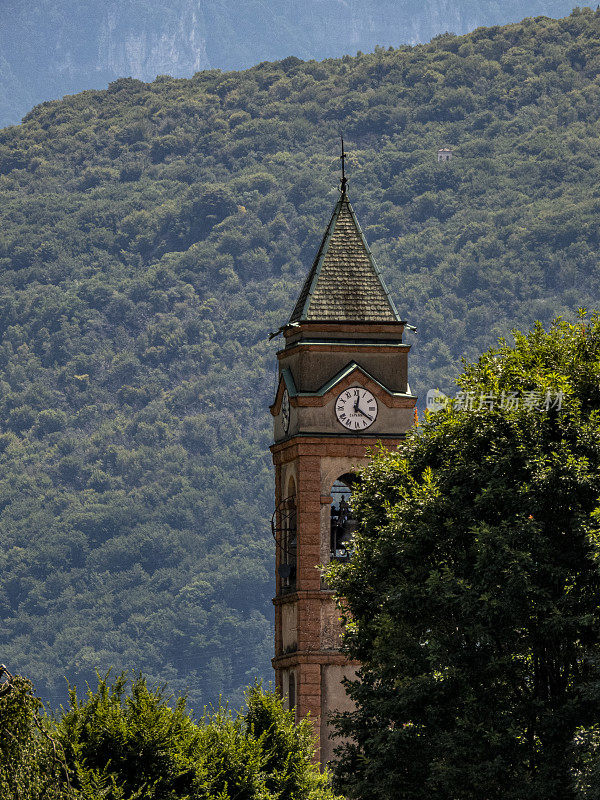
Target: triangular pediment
(352,373)
(286,381)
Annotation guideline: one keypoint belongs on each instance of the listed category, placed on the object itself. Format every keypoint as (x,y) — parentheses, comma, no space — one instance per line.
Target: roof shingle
(344,284)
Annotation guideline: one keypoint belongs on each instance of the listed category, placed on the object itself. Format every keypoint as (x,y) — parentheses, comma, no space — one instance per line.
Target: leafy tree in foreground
(474,592)
(31,765)
(133,744)
(126,742)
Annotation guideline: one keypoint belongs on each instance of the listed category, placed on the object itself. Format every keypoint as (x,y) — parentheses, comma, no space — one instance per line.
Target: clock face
(356,408)
(285,410)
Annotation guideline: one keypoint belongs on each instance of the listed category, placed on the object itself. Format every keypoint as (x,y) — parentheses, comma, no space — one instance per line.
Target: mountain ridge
(51,48)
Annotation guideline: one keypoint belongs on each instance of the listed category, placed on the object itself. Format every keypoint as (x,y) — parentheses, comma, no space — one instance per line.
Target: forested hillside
(52,47)
(153,235)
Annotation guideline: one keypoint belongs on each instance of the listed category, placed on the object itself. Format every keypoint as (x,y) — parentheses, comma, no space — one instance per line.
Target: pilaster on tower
(343,387)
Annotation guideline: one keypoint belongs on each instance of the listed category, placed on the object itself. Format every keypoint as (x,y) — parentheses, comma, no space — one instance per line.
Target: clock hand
(359,409)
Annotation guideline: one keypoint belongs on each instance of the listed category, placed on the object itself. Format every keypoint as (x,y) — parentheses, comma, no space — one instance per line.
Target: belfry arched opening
(343,523)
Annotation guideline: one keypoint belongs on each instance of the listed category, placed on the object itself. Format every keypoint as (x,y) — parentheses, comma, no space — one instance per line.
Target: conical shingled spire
(344,284)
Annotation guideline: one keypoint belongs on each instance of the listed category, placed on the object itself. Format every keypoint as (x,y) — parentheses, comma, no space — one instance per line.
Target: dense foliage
(125,740)
(32,767)
(151,237)
(475,589)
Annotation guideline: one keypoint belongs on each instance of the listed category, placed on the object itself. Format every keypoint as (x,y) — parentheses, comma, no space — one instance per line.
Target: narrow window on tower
(343,523)
(292,693)
(289,545)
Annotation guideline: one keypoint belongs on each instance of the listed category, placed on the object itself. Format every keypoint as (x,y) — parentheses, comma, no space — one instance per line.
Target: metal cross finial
(343,159)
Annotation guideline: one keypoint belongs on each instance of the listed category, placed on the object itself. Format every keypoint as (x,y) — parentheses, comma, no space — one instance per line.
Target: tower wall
(307,624)
(315,363)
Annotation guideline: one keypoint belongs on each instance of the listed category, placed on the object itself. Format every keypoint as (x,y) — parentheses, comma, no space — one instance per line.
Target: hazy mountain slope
(151,236)
(49,48)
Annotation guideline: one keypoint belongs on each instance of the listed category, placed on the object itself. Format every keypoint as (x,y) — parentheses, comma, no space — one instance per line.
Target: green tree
(31,762)
(286,749)
(473,597)
(133,742)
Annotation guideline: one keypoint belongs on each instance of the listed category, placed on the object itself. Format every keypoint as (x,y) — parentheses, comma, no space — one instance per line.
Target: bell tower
(343,388)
